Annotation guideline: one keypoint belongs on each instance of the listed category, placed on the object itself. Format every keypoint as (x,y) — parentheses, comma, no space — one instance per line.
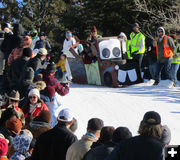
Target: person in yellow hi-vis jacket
(136,45)
(175,61)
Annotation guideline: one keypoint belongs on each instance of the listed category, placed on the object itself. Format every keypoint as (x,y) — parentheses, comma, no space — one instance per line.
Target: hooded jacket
(12,41)
(21,144)
(160,45)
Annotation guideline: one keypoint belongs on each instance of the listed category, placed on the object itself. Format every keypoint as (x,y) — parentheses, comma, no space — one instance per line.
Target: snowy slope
(124,106)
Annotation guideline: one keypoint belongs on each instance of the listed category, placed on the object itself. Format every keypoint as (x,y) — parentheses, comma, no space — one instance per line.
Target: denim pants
(167,66)
(174,70)
(152,70)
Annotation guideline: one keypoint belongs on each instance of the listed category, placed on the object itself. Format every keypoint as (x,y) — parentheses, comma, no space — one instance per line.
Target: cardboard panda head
(110,49)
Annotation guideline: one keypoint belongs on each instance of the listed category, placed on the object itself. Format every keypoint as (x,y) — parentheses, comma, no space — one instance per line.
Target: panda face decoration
(110,49)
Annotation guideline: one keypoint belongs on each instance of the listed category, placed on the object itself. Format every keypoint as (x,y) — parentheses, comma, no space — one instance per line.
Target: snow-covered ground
(124,106)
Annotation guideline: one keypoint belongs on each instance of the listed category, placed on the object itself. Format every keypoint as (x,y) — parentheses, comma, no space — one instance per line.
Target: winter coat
(43,44)
(40,85)
(52,81)
(21,144)
(152,58)
(16,69)
(138,148)
(78,150)
(62,64)
(8,134)
(12,41)
(37,128)
(15,54)
(53,144)
(35,63)
(39,107)
(160,44)
(54,105)
(100,152)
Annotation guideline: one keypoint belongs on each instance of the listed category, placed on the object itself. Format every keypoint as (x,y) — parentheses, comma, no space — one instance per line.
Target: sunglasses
(12,100)
(32,97)
(160,31)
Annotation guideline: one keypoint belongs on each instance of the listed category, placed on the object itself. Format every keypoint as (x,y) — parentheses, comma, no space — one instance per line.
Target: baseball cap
(42,51)
(65,115)
(152,118)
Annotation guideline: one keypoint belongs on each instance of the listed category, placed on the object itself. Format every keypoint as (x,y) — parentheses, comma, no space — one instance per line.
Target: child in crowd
(61,68)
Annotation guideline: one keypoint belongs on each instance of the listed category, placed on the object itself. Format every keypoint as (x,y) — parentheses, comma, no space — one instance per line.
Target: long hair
(150,130)
(26,107)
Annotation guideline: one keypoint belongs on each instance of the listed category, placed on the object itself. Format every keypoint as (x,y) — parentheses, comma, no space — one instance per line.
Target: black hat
(95,124)
(27,52)
(29,73)
(42,34)
(51,67)
(136,25)
(152,118)
(121,133)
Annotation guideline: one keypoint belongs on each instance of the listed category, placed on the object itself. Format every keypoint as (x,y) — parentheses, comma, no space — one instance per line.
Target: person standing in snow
(165,51)
(137,45)
(175,61)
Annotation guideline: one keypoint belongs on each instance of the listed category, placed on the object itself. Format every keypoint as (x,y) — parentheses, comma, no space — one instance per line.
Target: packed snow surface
(124,106)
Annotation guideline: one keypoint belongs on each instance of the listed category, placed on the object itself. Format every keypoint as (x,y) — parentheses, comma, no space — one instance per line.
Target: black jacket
(16,69)
(35,63)
(8,134)
(138,148)
(53,144)
(12,41)
(43,44)
(100,152)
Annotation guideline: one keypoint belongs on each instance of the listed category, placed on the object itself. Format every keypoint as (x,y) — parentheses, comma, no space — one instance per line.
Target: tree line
(54,17)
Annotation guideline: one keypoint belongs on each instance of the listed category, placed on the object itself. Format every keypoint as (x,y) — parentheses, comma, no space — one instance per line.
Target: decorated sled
(110,68)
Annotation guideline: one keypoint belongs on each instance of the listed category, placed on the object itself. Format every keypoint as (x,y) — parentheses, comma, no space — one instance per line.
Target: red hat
(94,29)
(3,147)
(50,90)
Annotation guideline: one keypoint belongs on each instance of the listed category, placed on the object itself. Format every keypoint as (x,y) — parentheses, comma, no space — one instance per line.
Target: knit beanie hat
(152,118)
(29,73)
(50,91)
(95,124)
(3,147)
(27,52)
(51,67)
(34,91)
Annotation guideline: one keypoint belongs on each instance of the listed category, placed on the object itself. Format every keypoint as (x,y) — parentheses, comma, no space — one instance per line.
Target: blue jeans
(152,70)
(174,70)
(167,66)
